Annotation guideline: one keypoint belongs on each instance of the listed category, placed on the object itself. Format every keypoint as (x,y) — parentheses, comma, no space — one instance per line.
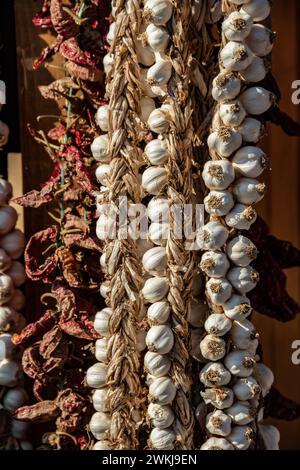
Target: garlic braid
(234,380)
(120,392)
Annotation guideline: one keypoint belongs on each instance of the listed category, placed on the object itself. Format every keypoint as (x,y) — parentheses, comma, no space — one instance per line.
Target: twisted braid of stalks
(123,265)
(233,375)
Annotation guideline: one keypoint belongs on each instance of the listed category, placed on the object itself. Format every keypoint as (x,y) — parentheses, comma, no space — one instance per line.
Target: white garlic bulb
(13,243)
(237,26)
(154,179)
(5,186)
(224,141)
(101,350)
(212,236)
(219,290)
(258,9)
(10,319)
(105,227)
(8,219)
(158,209)
(239,363)
(241,413)
(161,417)
(102,174)
(10,373)
(197,312)
(154,260)
(260,40)
(226,86)
(241,437)
(158,37)
(220,398)
(218,324)
(235,56)
(213,348)
(158,121)
(147,105)
(159,312)
(108,62)
(218,174)
(155,289)
(6,288)
(111,33)
(156,364)
(162,391)
(101,321)
(216,443)
(243,279)
(241,251)
(237,307)
(214,264)
(232,113)
(14,398)
(100,424)
(160,339)
(246,388)
(218,202)
(100,400)
(145,56)
(251,130)
(104,289)
(96,375)
(101,117)
(250,161)
(158,11)
(270,435)
(102,445)
(162,439)
(17,273)
(160,73)
(218,423)
(248,190)
(214,374)
(255,72)
(7,347)
(264,377)
(158,233)
(242,334)
(145,87)
(256,100)
(241,217)
(156,151)
(5,260)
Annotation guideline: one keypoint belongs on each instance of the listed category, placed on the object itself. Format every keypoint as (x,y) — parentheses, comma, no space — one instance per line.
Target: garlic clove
(156,152)
(101,321)
(250,161)
(226,86)
(218,423)
(213,348)
(237,307)
(159,233)
(232,113)
(260,40)
(161,417)
(214,374)
(221,398)
(237,26)
(243,279)
(218,324)
(239,363)
(154,179)
(159,312)
(258,9)
(158,11)
(249,191)
(224,141)
(162,391)
(156,364)
(264,377)
(241,437)
(214,264)
(241,217)
(246,389)
(218,202)
(100,400)
(218,175)
(162,439)
(101,117)
(251,130)
(96,375)
(216,443)
(158,121)
(157,37)
(256,100)
(219,290)
(147,106)
(160,339)
(235,56)
(242,334)
(212,236)
(241,251)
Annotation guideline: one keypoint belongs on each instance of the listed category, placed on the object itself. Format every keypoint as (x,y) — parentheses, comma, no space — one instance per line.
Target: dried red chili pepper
(42,18)
(42,412)
(34,331)
(62,22)
(38,268)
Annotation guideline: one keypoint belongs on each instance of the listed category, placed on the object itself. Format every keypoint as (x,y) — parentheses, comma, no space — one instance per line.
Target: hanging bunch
(234,380)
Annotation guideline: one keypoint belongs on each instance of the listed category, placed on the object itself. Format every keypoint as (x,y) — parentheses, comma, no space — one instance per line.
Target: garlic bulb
(101,117)
(101,322)
(5,260)
(256,100)
(250,161)
(260,40)
(258,9)
(7,347)
(160,339)
(239,2)
(158,37)
(235,56)
(242,334)
(99,148)
(218,324)
(19,429)
(162,439)
(145,56)
(218,423)
(226,86)
(241,437)
(264,377)
(246,389)
(218,175)
(154,179)
(101,350)
(154,260)
(239,363)
(8,219)
(156,151)
(214,374)
(100,400)
(161,416)
(158,11)
(251,130)
(102,174)
(10,319)
(156,364)
(158,121)
(216,443)
(104,289)
(158,233)
(160,73)
(219,290)
(17,273)
(232,113)
(96,375)
(249,191)
(241,251)
(159,312)
(256,71)
(5,190)
(10,373)
(224,141)
(241,413)
(197,312)
(241,217)
(218,202)
(155,289)
(237,307)
(237,26)
(102,445)
(162,391)
(13,243)
(270,436)
(15,398)
(212,236)
(213,348)
(220,398)
(243,279)
(214,264)
(158,209)
(108,62)
(6,288)
(100,424)
(145,87)
(111,33)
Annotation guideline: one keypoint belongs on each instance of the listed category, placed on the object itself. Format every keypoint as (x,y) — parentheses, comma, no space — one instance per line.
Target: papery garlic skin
(156,152)
(215,374)
(246,389)
(158,37)
(251,130)
(270,436)
(218,175)
(237,26)
(243,279)
(99,425)
(213,348)
(226,86)
(242,334)
(241,217)
(250,161)
(219,290)
(214,264)
(264,377)
(158,11)
(159,312)
(235,56)
(155,289)
(161,416)
(221,398)
(257,100)
(241,413)
(96,375)
(232,113)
